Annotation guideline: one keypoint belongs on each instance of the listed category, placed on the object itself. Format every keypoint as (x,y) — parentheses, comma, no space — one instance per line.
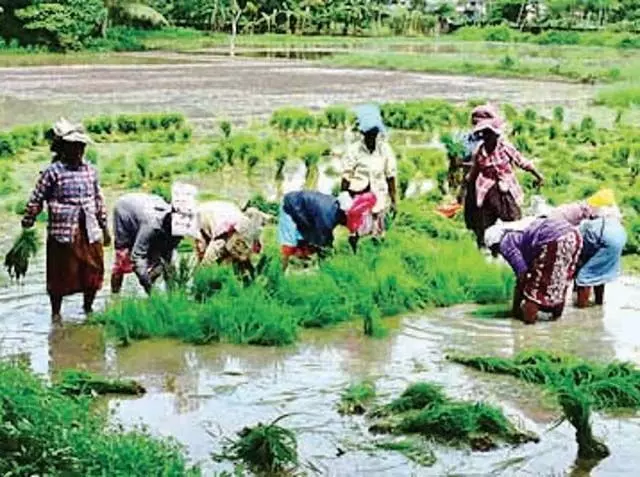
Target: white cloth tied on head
(493,235)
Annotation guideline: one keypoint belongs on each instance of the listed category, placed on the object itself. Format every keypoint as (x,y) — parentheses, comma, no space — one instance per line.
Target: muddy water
(200,394)
(238,88)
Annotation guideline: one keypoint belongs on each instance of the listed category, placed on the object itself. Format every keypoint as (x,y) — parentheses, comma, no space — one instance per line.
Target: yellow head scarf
(602,198)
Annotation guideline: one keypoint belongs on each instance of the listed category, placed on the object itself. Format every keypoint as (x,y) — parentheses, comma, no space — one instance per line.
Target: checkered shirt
(498,167)
(68,192)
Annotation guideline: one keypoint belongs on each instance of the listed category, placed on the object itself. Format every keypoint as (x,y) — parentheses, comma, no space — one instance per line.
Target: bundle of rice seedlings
(576,407)
(73,382)
(424,409)
(356,398)
(24,248)
(416,396)
(264,448)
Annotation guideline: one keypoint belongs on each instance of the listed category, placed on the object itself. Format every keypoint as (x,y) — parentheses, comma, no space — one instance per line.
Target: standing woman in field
(370,166)
(498,194)
(77,219)
(543,254)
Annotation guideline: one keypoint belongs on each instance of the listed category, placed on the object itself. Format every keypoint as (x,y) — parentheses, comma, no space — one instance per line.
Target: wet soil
(208,86)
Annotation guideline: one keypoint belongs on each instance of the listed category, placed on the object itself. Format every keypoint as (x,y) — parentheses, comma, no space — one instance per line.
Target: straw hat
(69,132)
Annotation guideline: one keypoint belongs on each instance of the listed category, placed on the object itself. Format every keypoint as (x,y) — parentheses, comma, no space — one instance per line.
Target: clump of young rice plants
(416,449)
(267,448)
(45,432)
(294,120)
(24,249)
(357,398)
(75,383)
(424,409)
(580,387)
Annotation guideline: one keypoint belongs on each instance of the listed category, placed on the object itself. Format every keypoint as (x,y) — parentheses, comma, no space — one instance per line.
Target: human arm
(510,249)
(140,255)
(349,163)
(101,212)
(526,165)
(41,193)
(391,172)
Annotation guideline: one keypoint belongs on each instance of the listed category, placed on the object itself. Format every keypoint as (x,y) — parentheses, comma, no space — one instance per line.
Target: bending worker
(144,241)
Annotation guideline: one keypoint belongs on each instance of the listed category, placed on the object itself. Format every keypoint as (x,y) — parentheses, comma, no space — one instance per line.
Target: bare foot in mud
(56,319)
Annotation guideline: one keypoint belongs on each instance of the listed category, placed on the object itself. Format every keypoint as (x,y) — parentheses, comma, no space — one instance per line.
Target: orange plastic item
(449,210)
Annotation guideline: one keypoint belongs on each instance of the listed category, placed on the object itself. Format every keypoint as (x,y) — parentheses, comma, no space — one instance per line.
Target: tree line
(73,24)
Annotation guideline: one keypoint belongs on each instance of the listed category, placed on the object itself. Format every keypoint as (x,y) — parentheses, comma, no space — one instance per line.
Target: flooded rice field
(202,394)
(204,86)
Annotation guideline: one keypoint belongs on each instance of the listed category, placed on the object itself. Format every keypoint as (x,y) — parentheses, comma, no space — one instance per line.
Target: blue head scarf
(369,117)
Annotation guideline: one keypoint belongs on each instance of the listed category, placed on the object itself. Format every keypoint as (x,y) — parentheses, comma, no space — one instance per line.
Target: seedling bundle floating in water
(266,448)
(579,385)
(24,248)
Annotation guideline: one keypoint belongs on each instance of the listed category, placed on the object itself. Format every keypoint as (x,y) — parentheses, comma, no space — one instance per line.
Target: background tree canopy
(73,24)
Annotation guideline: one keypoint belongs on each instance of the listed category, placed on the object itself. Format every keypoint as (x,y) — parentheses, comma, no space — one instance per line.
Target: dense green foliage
(44,432)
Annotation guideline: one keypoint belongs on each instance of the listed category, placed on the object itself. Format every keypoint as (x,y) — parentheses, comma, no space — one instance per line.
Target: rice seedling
(45,432)
(415,449)
(493,311)
(424,409)
(24,249)
(75,383)
(357,398)
(576,407)
(268,448)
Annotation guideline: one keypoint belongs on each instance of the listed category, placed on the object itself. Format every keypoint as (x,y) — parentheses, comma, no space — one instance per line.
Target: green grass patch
(620,96)
(45,432)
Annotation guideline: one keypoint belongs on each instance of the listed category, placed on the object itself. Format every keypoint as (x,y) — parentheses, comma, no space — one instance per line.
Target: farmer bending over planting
(370,166)
(604,237)
(144,239)
(307,220)
(77,219)
(498,194)
(544,254)
(227,234)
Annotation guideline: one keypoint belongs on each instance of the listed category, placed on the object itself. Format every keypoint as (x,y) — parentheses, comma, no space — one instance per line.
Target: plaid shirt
(496,168)
(68,192)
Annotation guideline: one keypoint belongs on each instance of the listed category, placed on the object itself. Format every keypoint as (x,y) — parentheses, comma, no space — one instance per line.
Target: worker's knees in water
(530,312)
(584,294)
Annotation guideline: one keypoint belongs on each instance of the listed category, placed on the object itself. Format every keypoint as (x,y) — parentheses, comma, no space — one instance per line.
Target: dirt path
(237,88)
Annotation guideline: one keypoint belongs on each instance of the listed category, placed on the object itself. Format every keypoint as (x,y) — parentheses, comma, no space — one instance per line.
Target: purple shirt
(519,249)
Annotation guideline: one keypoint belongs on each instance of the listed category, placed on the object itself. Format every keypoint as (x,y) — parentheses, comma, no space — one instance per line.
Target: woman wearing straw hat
(498,194)
(77,219)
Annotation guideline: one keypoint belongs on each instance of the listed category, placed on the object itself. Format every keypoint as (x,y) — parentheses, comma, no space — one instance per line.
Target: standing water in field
(203,394)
